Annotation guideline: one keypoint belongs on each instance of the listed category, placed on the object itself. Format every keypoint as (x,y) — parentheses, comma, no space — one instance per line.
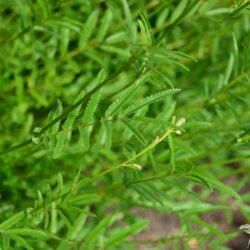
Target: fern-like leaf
(88,116)
(149,100)
(126,95)
(65,133)
(89,112)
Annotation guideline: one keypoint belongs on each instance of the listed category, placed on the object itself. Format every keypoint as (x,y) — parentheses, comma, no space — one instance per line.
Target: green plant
(114,105)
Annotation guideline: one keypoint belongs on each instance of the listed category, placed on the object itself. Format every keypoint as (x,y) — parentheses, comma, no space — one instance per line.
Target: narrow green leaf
(65,133)
(116,37)
(162,17)
(28,232)
(178,10)
(169,112)
(88,117)
(229,69)
(100,227)
(44,7)
(46,219)
(89,112)
(72,208)
(172,152)
(84,199)
(6,242)
(154,192)
(54,129)
(116,50)
(149,100)
(65,22)
(105,24)
(148,120)
(217,184)
(12,221)
(108,126)
(59,184)
(124,233)
(135,131)
(129,21)
(53,218)
(72,115)
(77,226)
(89,28)
(64,40)
(125,96)
(146,192)
(64,218)
(146,30)
(200,178)
(179,184)
(21,241)
(48,194)
(209,227)
(59,110)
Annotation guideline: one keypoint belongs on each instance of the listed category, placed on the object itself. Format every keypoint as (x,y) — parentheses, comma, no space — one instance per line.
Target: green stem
(125,163)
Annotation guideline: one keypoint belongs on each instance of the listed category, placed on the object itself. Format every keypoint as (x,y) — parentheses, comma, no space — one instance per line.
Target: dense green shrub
(107,106)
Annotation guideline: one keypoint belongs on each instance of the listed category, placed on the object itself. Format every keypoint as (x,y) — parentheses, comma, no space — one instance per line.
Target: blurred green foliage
(111,105)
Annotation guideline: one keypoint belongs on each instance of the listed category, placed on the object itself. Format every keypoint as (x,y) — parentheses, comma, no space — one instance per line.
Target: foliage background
(108,106)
